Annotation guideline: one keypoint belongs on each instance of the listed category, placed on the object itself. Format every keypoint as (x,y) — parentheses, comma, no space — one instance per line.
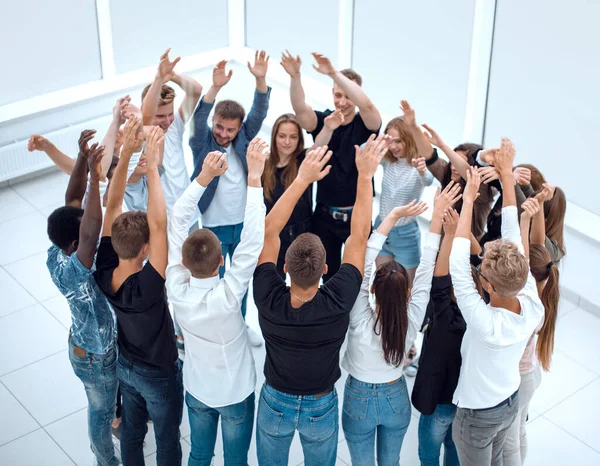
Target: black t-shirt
(146,334)
(338,189)
(303,345)
(303,209)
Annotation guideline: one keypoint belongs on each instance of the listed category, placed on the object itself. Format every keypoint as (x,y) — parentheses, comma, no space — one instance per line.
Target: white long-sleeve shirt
(219,366)
(495,338)
(364,359)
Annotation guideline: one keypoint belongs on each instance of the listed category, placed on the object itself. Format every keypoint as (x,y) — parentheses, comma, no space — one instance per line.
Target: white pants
(515,446)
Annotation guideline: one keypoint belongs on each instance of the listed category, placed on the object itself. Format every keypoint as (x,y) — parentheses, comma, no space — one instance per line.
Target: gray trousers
(479,434)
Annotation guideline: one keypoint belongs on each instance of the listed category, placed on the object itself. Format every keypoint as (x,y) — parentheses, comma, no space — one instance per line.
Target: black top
(439,364)
(303,345)
(338,189)
(146,334)
(303,210)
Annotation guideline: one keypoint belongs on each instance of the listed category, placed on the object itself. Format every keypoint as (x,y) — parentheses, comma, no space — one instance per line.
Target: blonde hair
(410,146)
(167,94)
(505,267)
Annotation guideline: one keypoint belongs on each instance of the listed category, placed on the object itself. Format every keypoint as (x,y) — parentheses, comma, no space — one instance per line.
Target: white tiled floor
(43,404)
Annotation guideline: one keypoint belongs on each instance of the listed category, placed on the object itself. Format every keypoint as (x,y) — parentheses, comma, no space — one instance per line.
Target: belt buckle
(343,216)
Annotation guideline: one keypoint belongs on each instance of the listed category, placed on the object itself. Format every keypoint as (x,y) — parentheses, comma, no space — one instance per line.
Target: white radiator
(16,160)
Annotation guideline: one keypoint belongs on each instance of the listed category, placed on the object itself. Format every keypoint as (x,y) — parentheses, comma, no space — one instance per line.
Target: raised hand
(488,174)
(154,143)
(410,210)
(445,199)
(323,65)
(432,136)
(522,175)
(261,64)
(215,164)
(450,222)
(530,207)
(130,110)
(472,188)
(313,166)
(257,153)
(120,109)
(165,67)
(37,142)
(547,193)
(368,159)
(334,120)
(420,164)
(290,64)
(220,79)
(409,113)
(86,136)
(94,159)
(504,158)
(133,137)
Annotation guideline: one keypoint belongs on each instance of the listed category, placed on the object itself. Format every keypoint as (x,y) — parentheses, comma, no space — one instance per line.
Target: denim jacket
(202,141)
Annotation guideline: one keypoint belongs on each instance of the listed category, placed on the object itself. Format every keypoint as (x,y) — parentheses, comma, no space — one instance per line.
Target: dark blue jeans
(229,236)
(435,429)
(237,421)
(98,373)
(158,393)
(281,414)
(375,408)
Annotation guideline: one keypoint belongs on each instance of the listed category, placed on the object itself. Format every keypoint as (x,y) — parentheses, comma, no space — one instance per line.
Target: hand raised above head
(86,136)
(133,137)
(290,64)
(530,207)
(505,156)
(220,78)
(324,65)
(450,222)
(446,198)
(215,164)
(37,142)
(473,182)
(261,64)
(154,143)
(313,167)
(369,157)
(166,66)
(256,155)
(96,153)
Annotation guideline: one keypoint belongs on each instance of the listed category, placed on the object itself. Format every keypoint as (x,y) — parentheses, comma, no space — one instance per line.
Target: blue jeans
(237,421)
(375,408)
(158,393)
(435,429)
(281,414)
(98,373)
(229,236)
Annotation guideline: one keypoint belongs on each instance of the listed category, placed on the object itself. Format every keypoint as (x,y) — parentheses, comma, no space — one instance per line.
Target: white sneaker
(255,338)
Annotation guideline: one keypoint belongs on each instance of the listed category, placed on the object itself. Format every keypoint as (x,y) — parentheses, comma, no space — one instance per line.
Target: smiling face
(343,103)
(396,147)
(455,176)
(225,129)
(287,139)
(164,116)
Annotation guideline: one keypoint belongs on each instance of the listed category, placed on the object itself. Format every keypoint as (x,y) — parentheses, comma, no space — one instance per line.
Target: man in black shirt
(148,371)
(304,326)
(337,192)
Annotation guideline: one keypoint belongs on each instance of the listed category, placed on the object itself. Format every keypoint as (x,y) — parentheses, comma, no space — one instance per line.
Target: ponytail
(543,269)
(390,287)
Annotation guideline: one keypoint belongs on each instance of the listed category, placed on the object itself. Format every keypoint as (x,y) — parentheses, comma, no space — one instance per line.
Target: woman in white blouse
(381,330)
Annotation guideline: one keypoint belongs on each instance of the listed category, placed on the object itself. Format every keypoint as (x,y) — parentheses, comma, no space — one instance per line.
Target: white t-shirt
(176,178)
(229,204)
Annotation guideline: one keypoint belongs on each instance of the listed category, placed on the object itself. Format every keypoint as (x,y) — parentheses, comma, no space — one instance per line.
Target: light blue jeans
(98,373)
(281,414)
(375,410)
(229,236)
(403,244)
(435,429)
(237,421)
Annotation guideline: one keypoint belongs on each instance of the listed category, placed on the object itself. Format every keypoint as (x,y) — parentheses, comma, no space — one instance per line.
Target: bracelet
(433,158)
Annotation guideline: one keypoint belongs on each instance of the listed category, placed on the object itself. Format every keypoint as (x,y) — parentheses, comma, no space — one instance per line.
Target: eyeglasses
(478,270)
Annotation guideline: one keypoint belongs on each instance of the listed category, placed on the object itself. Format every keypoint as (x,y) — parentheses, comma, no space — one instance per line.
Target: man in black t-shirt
(148,370)
(304,326)
(337,192)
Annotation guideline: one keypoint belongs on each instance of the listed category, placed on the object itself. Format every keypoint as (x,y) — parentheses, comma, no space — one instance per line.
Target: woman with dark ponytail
(383,325)
(539,349)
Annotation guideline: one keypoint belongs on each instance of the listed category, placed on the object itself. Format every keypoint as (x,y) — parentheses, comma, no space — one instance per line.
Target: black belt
(343,215)
(509,400)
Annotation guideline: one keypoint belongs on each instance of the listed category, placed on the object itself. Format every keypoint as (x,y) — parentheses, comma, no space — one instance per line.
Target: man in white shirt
(497,333)
(219,373)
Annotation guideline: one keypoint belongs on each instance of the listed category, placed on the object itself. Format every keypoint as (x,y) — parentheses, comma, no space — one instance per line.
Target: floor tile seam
(570,434)
(542,413)
(2,376)
(22,406)
(562,353)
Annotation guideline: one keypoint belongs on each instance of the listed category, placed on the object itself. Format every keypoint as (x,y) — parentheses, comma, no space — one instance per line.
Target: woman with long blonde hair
(281,168)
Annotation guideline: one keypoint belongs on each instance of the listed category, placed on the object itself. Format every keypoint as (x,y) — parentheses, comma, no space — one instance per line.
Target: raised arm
(530,209)
(60,159)
(157,209)
(538,228)
(78,180)
(110,138)
(312,169)
(91,222)
(367,161)
(133,139)
(304,113)
(193,91)
(459,163)
(355,93)
(424,147)
(331,123)
(259,70)
(220,79)
(260,103)
(442,265)
(164,74)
